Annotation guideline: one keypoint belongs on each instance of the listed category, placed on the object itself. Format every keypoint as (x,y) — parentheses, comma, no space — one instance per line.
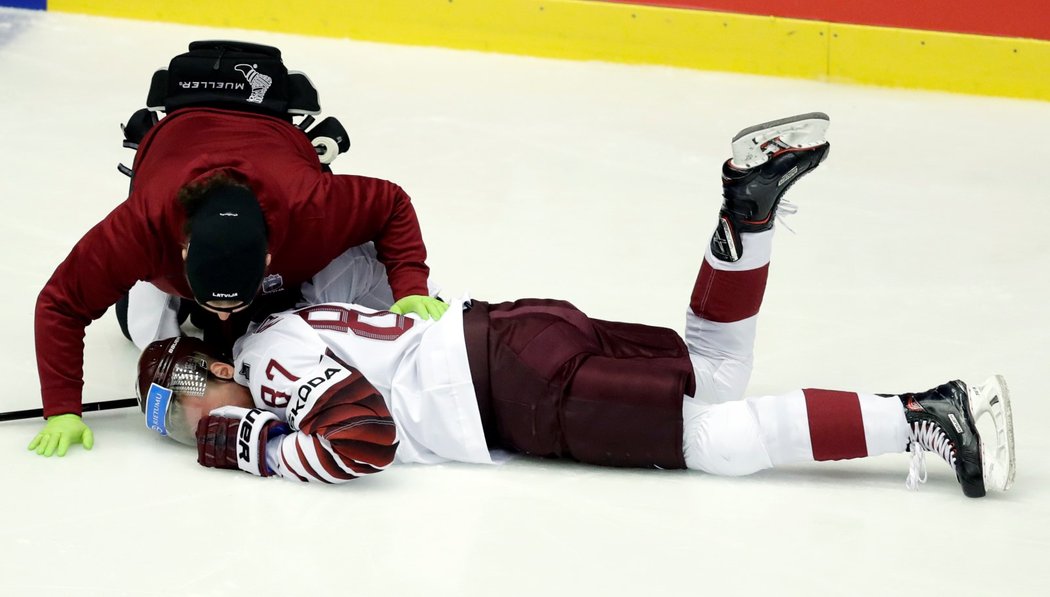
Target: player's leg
(147,314)
(553,382)
(355,276)
(720,324)
(740,438)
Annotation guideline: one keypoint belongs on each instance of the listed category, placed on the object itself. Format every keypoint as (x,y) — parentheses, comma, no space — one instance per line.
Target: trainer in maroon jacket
(312,216)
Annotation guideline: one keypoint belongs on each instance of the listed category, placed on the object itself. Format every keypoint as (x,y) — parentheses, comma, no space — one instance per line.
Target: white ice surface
(921,255)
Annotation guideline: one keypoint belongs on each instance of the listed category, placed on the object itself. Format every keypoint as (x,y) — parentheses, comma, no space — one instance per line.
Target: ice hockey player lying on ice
(333,392)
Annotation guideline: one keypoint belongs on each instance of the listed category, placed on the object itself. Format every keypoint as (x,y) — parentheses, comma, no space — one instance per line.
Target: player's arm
(337,428)
(344,429)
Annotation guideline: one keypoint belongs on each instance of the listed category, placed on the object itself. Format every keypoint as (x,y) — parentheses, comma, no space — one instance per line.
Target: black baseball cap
(226,258)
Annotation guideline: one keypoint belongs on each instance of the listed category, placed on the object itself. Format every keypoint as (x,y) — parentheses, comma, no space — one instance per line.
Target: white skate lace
(786,208)
(926,437)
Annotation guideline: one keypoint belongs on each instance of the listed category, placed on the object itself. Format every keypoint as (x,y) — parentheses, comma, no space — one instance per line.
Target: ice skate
(767,159)
(943,421)
(757,144)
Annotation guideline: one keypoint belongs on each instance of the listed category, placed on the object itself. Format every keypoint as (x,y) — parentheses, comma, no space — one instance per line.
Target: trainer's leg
(355,276)
(743,437)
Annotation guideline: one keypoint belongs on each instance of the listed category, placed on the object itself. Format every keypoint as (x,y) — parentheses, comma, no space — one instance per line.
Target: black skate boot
(943,420)
(767,159)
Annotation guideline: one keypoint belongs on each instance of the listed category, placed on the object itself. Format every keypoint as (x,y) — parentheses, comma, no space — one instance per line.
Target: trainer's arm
(110,258)
(380,211)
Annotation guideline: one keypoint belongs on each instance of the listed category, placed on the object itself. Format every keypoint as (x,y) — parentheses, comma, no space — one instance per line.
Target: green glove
(424,306)
(60,432)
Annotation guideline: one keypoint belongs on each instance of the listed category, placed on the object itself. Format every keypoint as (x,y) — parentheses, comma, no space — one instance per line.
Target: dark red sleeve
(348,432)
(104,265)
(381,211)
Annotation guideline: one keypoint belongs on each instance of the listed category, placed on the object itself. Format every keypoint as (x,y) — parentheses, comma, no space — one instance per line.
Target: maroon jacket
(313,216)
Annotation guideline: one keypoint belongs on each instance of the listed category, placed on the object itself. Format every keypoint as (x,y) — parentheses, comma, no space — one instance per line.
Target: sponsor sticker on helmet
(157,400)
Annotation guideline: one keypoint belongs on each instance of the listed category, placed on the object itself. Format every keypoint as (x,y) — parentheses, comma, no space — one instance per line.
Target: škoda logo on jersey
(305,396)
(259,83)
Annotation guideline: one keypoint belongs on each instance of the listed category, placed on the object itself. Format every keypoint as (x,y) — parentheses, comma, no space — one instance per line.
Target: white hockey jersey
(294,361)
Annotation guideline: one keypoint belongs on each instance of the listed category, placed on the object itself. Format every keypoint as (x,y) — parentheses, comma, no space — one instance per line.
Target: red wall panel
(1006,18)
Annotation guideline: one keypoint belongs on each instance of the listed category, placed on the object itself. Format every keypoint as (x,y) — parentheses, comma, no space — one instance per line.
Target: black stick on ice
(32,413)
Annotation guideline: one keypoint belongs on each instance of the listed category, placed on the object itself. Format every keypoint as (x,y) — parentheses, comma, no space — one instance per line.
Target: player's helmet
(173,373)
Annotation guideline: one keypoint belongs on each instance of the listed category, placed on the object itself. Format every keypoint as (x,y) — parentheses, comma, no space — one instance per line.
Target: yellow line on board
(595,30)
(984,65)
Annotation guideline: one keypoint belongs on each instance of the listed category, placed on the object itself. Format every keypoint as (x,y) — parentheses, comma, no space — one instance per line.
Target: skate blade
(993,398)
(797,132)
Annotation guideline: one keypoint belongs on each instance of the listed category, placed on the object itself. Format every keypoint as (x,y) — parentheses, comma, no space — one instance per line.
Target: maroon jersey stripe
(371,430)
(329,464)
(314,476)
(728,296)
(836,426)
(371,405)
(350,392)
(288,467)
(359,468)
(336,392)
(377,455)
(375,403)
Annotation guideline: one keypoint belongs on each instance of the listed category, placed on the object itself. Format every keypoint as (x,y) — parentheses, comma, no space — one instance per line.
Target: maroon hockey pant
(553,382)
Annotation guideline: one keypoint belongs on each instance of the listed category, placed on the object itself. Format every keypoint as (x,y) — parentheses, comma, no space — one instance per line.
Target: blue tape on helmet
(157,400)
